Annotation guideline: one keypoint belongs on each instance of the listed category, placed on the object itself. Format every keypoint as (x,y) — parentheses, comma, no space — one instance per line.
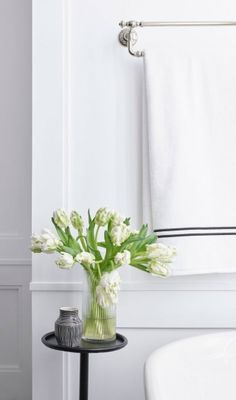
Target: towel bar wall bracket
(128,36)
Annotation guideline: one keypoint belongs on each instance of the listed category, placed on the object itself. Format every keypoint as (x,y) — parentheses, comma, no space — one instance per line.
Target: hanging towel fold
(190,162)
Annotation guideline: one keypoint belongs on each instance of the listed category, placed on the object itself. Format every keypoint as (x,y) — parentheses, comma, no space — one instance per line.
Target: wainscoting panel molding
(15,338)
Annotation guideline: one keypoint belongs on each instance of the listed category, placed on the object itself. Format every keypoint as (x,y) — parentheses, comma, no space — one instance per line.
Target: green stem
(141,267)
(99,271)
(82,241)
(96,234)
(98,323)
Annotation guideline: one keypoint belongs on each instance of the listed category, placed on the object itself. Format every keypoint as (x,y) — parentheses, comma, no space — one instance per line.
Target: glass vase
(99,324)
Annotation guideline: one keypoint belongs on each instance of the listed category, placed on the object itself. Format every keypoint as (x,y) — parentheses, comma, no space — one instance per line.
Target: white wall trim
(9,368)
(55,286)
(132,286)
(65,105)
(10,236)
(26,262)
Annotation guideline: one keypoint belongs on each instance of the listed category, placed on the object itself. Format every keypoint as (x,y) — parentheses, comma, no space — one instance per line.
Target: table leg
(84,376)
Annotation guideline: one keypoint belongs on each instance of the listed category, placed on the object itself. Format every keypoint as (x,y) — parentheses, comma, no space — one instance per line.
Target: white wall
(87,153)
(15,200)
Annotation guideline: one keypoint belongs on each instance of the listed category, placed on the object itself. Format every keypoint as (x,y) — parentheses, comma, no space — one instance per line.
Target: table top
(50,341)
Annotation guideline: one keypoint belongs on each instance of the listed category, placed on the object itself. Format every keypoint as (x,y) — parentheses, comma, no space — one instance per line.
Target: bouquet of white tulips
(107,244)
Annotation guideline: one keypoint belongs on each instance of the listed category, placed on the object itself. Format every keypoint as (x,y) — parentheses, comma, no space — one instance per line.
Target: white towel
(191,155)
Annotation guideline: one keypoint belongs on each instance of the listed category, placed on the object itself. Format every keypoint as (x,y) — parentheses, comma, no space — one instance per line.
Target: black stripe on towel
(202,231)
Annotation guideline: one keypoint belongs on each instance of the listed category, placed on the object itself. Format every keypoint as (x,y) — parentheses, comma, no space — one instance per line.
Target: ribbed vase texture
(99,324)
(68,327)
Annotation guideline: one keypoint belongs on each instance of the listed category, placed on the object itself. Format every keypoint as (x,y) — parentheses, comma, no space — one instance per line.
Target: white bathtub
(197,368)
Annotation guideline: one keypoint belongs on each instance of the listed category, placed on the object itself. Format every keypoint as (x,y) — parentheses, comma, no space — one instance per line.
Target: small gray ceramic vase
(68,327)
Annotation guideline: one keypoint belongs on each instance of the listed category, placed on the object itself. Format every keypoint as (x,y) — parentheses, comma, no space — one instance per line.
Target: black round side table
(84,349)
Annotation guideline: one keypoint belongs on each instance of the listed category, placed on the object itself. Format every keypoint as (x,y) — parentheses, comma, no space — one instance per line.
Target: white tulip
(116,218)
(160,251)
(122,258)
(159,269)
(110,279)
(36,243)
(61,218)
(102,297)
(76,220)
(102,216)
(107,289)
(47,242)
(85,258)
(160,257)
(119,234)
(66,261)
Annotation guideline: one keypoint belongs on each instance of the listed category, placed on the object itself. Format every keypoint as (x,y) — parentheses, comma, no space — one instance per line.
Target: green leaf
(134,245)
(101,244)
(131,239)
(109,249)
(127,221)
(148,240)
(90,235)
(89,217)
(70,251)
(143,231)
(109,226)
(72,242)
(142,267)
(92,242)
(60,233)
(108,241)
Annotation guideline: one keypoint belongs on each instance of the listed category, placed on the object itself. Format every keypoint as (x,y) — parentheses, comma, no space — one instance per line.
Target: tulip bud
(116,218)
(61,219)
(36,243)
(107,289)
(47,242)
(122,258)
(66,261)
(102,216)
(85,258)
(76,221)
(119,234)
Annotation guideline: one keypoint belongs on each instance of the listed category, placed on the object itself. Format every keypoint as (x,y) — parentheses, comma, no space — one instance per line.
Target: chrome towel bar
(128,36)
